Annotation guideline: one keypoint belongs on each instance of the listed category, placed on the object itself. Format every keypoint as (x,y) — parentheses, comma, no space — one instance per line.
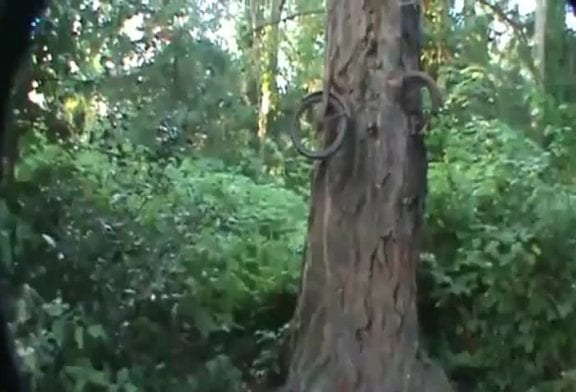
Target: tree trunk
(355,327)
(540,37)
(269,66)
(253,14)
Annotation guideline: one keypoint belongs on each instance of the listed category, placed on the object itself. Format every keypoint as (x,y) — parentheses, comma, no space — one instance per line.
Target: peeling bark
(355,327)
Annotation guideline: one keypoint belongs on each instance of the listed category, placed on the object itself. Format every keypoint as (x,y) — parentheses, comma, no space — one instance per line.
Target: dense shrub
(497,292)
(137,270)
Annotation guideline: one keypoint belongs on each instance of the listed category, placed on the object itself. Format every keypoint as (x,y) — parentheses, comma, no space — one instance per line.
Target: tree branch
(516,27)
(287,18)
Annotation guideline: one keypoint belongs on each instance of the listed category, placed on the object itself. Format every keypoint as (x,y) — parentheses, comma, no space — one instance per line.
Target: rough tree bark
(355,327)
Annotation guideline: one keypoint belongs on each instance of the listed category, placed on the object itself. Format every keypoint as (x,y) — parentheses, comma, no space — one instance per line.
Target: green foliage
(497,283)
(139,266)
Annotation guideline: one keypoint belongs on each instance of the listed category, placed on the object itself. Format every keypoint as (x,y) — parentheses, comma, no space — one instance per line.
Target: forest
(154,210)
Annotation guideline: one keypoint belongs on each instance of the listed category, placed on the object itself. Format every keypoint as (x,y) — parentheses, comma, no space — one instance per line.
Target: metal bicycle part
(422,79)
(341,112)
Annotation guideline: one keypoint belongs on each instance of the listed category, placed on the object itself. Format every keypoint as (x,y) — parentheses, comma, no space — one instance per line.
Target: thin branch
(287,18)
(516,27)
(502,15)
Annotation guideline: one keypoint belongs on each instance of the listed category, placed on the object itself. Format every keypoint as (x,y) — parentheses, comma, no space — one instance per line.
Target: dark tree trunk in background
(356,327)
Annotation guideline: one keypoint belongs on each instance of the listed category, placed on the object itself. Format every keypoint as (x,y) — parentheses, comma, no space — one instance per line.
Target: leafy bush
(139,269)
(497,287)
